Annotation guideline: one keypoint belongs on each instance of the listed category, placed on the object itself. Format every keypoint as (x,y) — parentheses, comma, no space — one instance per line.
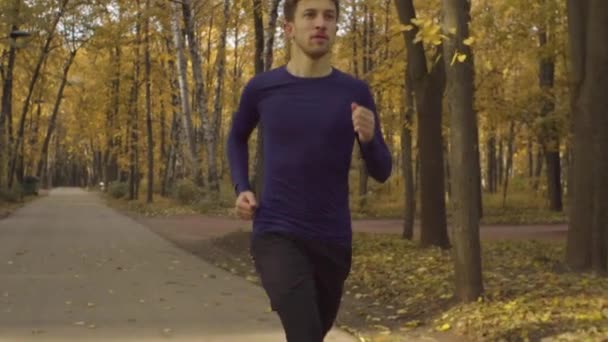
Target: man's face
(314,27)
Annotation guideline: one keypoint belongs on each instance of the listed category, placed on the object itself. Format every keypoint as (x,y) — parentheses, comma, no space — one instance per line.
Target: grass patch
(8,207)
(168,206)
(523,207)
(528,294)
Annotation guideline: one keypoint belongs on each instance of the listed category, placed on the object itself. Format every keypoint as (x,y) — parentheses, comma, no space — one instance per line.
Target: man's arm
(375,153)
(244,121)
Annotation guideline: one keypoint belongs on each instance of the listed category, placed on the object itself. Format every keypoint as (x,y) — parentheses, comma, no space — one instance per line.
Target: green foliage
(186,192)
(118,189)
(10,195)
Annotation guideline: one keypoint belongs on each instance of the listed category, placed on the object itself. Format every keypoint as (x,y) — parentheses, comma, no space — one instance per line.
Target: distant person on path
(312,115)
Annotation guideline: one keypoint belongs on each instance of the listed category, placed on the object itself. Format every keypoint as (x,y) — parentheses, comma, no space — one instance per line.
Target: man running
(312,114)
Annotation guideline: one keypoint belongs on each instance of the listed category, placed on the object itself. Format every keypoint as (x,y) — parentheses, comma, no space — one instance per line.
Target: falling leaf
(406,28)
(444,327)
(469,41)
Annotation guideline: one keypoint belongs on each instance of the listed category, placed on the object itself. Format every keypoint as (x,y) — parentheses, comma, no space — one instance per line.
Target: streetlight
(15,34)
(7,88)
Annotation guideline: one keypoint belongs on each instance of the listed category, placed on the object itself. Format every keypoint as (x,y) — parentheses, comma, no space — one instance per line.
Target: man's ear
(288,27)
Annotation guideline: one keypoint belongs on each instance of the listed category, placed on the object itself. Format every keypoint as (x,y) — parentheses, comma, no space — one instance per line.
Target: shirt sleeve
(375,153)
(244,121)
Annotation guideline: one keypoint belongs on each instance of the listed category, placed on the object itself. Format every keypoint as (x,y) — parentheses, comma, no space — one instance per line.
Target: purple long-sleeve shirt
(308,144)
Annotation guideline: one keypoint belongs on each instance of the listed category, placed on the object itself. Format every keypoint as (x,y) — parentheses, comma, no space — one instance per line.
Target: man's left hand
(364,122)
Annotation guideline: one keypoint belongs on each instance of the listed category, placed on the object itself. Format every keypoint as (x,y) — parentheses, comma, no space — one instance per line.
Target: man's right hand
(246,205)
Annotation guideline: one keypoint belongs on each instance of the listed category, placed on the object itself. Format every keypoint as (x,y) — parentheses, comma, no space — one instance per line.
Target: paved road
(72,269)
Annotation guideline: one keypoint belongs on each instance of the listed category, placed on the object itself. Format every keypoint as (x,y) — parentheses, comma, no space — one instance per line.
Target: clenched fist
(364,122)
(246,205)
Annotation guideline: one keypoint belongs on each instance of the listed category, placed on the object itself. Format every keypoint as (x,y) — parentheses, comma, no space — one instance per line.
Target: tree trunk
(530,158)
(53,119)
(184,96)
(409,213)
(263,62)
(500,165)
(216,123)
(270,33)
(491,160)
(148,85)
(539,167)
(26,104)
(200,103)
(134,114)
(509,165)
(549,133)
(587,245)
(428,89)
(463,133)
(7,100)
(111,158)
(258,60)
(368,32)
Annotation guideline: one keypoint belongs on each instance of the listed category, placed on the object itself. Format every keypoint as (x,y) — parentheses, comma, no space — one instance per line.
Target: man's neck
(303,66)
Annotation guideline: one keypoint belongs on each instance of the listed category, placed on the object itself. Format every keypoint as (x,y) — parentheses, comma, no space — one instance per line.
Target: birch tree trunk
(200,103)
(184,96)
(148,86)
(216,123)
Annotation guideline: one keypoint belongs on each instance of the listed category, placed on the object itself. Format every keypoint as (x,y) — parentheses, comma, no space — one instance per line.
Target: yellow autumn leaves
(429,32)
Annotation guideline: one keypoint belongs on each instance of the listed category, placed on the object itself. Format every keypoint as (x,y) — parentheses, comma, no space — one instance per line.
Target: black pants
(304,281)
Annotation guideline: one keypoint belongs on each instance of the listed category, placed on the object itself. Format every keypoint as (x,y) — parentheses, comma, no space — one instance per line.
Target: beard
(313,51)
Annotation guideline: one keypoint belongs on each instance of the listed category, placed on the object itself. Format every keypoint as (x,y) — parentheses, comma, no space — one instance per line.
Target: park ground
(398,291)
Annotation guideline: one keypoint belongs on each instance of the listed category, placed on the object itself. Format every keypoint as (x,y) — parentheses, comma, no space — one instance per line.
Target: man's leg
(288,279)
(332,265)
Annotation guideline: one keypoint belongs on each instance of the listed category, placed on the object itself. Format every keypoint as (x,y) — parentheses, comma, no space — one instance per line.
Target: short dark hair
(289,8)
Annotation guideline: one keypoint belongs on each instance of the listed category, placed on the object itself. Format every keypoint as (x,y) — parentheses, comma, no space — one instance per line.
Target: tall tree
(26,103)
(428,86)
(549,135)
(258,62)
(407,166)
(587,246)
(196,64)
(463,133)
(53,120)
(217,108)
(263,58)
(182,77)
(148,86)
(133,113)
